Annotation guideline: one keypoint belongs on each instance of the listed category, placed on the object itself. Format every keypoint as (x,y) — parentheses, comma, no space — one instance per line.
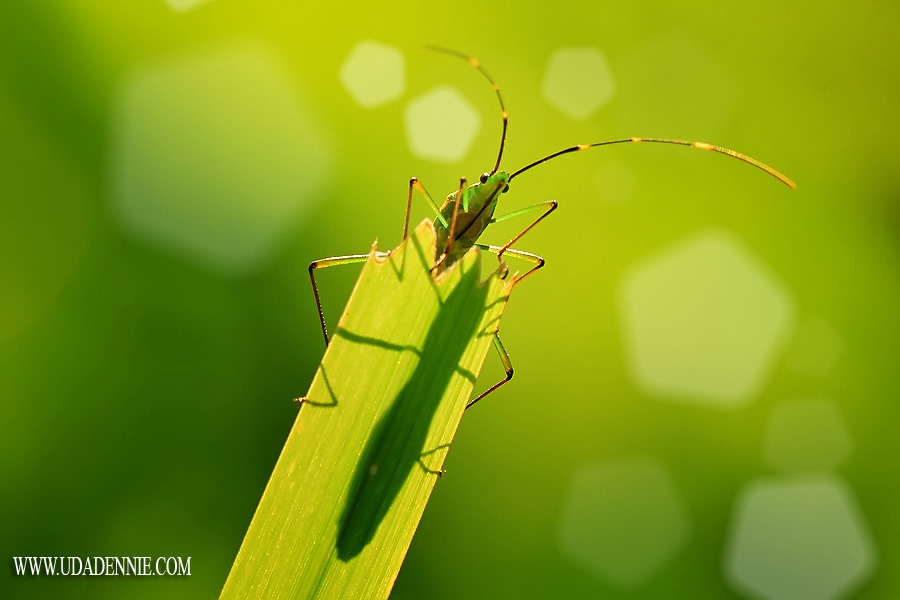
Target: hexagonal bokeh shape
(374,73)
(623,520)
(441,125)
(703,321)
(798,539)
(578,81)
(214,157)
(185,5)
(806,434)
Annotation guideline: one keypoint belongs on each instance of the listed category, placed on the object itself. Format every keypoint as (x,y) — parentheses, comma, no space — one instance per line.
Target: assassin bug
(468,211)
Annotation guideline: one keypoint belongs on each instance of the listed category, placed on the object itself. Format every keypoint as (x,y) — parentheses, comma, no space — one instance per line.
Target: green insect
(468,211)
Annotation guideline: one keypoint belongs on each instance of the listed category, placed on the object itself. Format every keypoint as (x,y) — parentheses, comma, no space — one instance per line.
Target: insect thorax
(476,209)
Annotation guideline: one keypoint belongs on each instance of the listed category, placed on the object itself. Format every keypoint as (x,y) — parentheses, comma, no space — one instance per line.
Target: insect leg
(507,365)
(526,210)
(331,262)
(459,195)
(538,261)
(552,204)
(415,183)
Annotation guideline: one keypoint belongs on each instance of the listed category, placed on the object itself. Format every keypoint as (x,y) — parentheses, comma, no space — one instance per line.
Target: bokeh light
(798,539)
(214,157)
(185,5)
(374,73)
(703,321)
(441,125)
(623,519)
(578,82)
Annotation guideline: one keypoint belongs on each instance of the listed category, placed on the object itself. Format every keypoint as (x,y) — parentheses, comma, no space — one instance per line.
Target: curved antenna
(474,62)
(699,145)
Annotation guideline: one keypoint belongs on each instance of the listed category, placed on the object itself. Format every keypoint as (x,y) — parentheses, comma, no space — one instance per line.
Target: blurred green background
(705,400)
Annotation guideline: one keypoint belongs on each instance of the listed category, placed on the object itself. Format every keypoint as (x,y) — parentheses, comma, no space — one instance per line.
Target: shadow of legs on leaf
(334,401)
(426,468)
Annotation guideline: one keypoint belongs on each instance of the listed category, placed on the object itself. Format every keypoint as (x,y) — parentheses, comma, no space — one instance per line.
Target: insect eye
(483,178)
(505,189)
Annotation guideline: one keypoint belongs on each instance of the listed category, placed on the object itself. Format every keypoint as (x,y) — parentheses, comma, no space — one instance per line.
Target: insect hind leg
(507,366)
(333,261)
(537,261)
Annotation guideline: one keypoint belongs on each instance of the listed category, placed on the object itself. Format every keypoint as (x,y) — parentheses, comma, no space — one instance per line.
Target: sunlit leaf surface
(347,493)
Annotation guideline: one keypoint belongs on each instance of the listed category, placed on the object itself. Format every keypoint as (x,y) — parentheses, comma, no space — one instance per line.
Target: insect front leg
(452,230)
(331,262)
(459,195)
(415,183)
(507,365)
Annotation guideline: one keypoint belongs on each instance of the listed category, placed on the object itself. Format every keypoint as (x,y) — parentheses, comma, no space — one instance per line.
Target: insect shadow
(397,442)
(334,401)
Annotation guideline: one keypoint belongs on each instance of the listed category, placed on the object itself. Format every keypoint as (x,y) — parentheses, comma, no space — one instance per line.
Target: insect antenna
(474,62)
(699,145)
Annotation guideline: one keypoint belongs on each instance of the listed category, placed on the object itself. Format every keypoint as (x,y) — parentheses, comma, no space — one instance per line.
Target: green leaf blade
(359,465)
